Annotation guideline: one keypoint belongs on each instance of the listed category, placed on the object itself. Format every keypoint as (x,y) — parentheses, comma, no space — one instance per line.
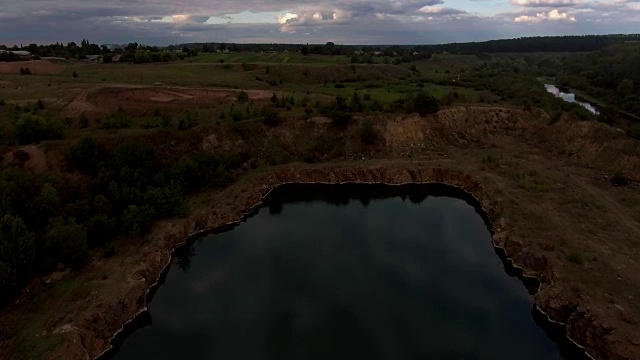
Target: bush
(166,201)
(490,159)
(534,185)
(99,229)
(117,120)
(243,97)
(66,242)
(17,251)
(74,75)
(425,104)
(84,120)
(368,134)
(137,219)
(189,121)
(33,128)
(271,117)
(576,258)
(25,71)
(634,132)
(619,179)
(85,155)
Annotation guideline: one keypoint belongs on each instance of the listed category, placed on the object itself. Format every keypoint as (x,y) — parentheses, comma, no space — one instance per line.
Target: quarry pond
(407,275)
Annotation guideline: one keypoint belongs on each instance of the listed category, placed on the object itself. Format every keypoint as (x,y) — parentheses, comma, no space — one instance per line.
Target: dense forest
(538,44)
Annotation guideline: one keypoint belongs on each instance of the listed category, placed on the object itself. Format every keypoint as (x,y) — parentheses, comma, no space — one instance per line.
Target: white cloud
(285,18)
(440,10)
(553,15)
(546,3)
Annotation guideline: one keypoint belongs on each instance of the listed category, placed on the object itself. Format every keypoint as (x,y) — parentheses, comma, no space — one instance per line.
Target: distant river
(410,277)
(570,97)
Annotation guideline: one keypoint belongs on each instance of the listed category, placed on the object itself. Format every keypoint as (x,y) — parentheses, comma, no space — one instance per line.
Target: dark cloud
(366,22)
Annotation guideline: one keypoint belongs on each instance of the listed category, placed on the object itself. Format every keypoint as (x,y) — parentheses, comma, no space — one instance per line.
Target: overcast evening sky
(164,22)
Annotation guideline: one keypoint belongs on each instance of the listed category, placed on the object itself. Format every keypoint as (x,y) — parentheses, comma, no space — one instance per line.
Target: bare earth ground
(545,187)
(37,67)
(146,100)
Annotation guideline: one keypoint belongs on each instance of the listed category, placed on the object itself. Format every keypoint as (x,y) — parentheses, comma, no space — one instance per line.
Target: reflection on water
(374,279)
(570,97)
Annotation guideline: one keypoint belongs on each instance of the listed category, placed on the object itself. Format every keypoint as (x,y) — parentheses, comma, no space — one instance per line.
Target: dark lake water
(366,279)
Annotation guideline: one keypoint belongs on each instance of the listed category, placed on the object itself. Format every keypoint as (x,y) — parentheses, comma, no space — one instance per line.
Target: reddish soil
(29,157)
(37,67)
(146,100)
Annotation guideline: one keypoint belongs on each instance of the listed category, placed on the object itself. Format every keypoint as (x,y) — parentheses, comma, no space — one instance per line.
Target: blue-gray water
(570,97)
(311,280)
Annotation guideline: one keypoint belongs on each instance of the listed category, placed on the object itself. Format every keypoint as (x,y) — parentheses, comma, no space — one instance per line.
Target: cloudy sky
(163,22)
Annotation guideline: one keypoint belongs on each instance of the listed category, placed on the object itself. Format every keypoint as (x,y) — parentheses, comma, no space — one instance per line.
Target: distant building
(93,57)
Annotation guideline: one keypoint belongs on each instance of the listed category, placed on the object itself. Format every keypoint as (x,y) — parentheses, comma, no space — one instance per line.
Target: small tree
(66,242)
(84,120)
(425,104)
(17,250)
(368,134)
(625,87)
(137,219)
(243,97)
(271,117)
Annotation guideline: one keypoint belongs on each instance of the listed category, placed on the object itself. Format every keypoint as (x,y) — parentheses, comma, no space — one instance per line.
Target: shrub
(165,201)
(534,185)
(576,258)
(17,250)
(634,132)
(84,120)
(189,121)
(490,159)
(137,219)
(99,228)
(243,97)
(619,179)
(368,134)
(339,86)
(74,75)
(425,104)
(117,120)
(271,117)
(33,128)
(66,242)
(85,155)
